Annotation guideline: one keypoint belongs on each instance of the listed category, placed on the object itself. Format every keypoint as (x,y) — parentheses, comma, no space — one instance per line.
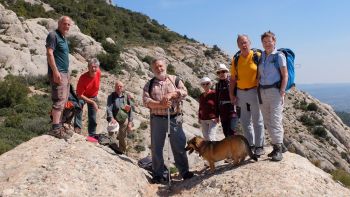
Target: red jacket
(207,106)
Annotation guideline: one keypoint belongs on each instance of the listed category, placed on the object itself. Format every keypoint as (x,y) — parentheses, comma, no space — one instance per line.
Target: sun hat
(113,127)
(222,67)
(205,80)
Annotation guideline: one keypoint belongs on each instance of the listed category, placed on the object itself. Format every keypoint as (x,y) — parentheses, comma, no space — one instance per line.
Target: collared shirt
(247,71)
(89,86)
(59,44)
(269,74)
(161,88)
(116,102)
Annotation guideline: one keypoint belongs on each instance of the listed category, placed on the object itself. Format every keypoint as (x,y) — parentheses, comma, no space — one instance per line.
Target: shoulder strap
(150,86)
(177,81)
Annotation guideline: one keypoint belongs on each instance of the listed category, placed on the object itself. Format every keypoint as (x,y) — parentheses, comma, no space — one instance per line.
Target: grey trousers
(159,128)
(251,117)
(272,110)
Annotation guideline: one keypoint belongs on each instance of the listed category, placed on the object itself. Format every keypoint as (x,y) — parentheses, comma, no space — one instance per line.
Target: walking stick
(169,174)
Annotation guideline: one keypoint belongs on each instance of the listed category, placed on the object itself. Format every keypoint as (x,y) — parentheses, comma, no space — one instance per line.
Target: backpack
(146,163)
(177,80)
(70,107)
(256,59)
(289,54)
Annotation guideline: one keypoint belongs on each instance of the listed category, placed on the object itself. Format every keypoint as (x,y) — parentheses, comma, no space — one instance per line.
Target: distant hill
(336,95)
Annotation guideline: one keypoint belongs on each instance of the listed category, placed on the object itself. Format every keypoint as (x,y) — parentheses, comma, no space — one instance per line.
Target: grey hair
(63,17)
(239,36)
(93,61)
(158,60)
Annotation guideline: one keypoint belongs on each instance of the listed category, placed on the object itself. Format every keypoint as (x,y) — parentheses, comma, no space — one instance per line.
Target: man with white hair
(58,72)
(161,95)
(87,91)
(119,110)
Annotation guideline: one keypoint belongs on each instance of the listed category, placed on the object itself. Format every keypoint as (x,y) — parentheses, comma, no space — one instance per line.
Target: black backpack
(177,80)
(256,59)
(146,163)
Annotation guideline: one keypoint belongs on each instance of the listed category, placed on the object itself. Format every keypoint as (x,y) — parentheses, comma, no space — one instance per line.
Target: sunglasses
(205,84)
(219,72)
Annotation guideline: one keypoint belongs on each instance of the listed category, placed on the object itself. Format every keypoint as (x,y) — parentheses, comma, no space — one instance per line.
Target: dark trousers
(229,126)
(92,124)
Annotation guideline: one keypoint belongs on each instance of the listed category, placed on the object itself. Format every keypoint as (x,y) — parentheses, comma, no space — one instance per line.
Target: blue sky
(318,31)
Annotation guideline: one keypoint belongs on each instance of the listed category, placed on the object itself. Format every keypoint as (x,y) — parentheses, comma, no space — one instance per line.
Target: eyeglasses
(219,72)
(205,84)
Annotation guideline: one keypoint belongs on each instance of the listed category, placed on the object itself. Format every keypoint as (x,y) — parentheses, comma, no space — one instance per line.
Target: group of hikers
(252,90)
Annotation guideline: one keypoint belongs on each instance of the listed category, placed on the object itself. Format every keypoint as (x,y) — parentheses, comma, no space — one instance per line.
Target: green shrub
(196,125)
(193,92)
(312,107)
(171,69)
(344,155)
(320,131)
(148,59)
(342,176)
(173,170)
(144,125)
(139,148)
(13,91)
(41,82)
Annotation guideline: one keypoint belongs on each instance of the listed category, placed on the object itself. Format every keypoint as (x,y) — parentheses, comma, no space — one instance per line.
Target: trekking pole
(169,174)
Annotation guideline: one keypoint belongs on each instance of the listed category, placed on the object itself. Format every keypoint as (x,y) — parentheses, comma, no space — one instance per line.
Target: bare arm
(52,64)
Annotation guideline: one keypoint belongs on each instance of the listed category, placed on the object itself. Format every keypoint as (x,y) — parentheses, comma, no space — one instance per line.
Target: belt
(246,89)
(165,116)
(275,85)
(224,102)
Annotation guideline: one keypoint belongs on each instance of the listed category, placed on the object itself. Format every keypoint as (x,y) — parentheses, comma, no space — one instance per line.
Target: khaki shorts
(59,93)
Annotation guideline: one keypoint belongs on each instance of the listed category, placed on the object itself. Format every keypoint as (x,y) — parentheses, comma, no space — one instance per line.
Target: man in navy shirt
(58,65)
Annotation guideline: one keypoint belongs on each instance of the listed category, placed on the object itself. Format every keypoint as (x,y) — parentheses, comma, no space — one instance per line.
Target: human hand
(95,106)
(233,100)
(127,108)
(57,78)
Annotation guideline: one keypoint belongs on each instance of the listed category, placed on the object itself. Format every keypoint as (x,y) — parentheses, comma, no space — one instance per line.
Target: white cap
(113,127)
(222,67)
(205,80)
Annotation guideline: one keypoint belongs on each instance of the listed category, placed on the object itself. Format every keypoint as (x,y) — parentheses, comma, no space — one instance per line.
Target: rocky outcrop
(47,166)
(22,46)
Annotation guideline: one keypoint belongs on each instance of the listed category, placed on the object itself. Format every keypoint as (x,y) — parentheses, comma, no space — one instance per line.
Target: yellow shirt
(247,71)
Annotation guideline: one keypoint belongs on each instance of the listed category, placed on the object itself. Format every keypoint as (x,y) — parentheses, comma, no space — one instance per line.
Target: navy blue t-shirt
(59,44)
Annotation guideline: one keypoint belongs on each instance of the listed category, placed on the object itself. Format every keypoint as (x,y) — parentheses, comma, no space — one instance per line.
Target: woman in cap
(206,113)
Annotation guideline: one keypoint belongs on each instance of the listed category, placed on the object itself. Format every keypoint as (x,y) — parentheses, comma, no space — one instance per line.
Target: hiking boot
(60,133)
(259,151)
(159,180)
(187,175)
(276,154)
(284,149)
(252,148)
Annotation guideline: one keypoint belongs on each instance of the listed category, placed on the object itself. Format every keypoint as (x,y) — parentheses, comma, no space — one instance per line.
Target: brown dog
(233,147)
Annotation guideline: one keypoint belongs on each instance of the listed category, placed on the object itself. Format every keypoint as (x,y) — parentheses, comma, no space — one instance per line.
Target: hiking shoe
(159,180)
(60,133)
(252,148)
(187,175)
(284,149)
(259,151)
(276,154)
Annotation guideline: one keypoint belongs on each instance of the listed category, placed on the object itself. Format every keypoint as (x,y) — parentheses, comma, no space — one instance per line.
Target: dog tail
(250,152)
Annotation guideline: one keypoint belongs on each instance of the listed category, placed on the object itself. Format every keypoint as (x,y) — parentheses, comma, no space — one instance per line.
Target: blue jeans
(229,126)
(78,120)
(159,128)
